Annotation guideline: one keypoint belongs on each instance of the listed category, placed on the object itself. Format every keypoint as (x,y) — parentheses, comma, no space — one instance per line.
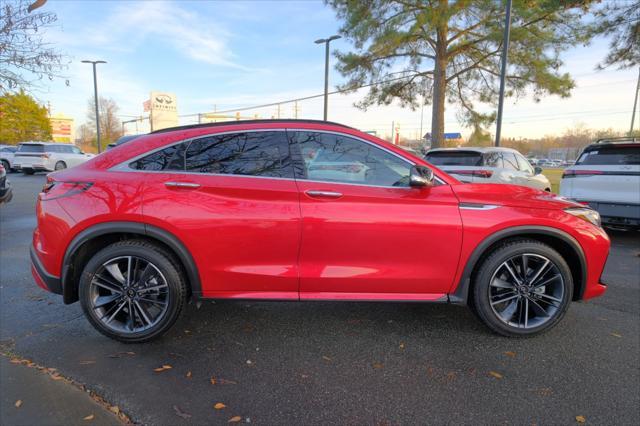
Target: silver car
(489,165)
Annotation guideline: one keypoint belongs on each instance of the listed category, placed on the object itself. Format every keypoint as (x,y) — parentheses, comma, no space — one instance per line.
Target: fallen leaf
(234,419)
(187,332)
(181,413)
(219,406)
(377,365)
(401,345)
(15,361)
(227,382)
(56,376)
(510,354)
(121,354)
(580,419)
(616,335)
(188,374)
(114,409)
(163,368)
(326,358)
(18,403)
(89,417)
(496,375)
(213,380)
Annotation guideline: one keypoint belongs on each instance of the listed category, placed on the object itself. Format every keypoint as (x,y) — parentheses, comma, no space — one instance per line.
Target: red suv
(302,210)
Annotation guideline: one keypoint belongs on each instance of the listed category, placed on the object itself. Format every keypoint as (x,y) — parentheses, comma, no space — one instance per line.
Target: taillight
(575,173)
(56,189)
(476,173)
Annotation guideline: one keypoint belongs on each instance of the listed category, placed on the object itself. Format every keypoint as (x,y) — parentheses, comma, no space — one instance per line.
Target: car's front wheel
(523,288)
(60,165)
(132,291)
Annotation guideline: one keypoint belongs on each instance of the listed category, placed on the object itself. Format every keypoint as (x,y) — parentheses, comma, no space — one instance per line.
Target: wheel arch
(559,240)
(101,235)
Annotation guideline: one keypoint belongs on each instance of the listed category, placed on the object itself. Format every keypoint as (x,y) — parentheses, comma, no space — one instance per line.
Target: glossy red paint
(267,238)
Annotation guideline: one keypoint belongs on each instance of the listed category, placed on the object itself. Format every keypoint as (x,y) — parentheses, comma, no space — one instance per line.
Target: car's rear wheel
(61,165)
(132,291)
(6,166)
(523,288)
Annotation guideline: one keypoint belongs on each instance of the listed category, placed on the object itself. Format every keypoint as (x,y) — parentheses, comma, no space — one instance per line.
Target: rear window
(610,156)
(31,148)
(454,158)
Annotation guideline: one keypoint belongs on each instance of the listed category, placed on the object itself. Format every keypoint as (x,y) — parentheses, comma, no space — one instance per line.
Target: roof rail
(618,139)
(241,122)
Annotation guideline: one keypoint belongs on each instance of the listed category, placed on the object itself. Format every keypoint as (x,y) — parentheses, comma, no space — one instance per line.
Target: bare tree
(110,125)
(25,57)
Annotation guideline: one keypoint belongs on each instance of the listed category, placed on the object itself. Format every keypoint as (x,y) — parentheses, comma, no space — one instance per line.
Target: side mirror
(537,170)
(420,176)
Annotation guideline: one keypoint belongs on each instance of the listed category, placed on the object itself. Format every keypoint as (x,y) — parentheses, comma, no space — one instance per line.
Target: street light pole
(95,96)
(326,42)
(503,70)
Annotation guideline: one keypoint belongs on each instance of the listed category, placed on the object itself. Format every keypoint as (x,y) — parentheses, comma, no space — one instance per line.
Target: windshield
(454,158)
(31,148)
(611,156)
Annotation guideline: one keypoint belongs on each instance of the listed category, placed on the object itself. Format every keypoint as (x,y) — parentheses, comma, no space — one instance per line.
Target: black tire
(163,261)
(60,165)
(28,171)
(484,293)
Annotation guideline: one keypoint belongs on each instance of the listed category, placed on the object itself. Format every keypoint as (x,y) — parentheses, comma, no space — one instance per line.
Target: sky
(221,55)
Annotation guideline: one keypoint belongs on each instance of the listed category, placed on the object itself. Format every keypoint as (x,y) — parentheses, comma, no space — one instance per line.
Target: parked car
(5,188)
(488,165)
(121,140)
(34,157)
(607,177)
(6,156)
(237,211)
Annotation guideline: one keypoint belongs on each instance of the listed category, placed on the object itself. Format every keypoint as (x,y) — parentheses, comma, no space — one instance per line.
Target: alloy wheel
(129,294)
(526,291)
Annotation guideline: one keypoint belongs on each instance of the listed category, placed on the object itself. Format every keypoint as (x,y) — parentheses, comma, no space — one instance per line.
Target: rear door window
(493,159)
(611,156)
(264,154)
(31,148)
(454,158)
(170,158)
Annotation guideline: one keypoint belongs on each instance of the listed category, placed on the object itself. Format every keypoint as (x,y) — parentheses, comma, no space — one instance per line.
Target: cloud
(188,33)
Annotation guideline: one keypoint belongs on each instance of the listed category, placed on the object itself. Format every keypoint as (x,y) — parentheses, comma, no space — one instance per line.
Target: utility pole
(295,109)
(393,131)
(278,111)
(503,69)
(95,95)
(635,104)
(326,42)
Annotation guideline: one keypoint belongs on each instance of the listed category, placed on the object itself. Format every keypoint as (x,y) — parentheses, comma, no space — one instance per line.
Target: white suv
(34,157)
(488,165)
(607,177)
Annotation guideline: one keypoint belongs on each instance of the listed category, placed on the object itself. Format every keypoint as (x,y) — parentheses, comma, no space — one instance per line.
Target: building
(62,128)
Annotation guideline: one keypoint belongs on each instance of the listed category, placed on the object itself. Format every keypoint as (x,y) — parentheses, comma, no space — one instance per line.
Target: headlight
(587,214)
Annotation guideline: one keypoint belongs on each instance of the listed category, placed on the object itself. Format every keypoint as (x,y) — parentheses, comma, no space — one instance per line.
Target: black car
(5,189)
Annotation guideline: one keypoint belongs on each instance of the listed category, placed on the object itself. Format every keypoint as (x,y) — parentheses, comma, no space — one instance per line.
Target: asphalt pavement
(349,363)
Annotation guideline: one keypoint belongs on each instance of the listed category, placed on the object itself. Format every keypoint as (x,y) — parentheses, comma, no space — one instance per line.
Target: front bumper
(42,277)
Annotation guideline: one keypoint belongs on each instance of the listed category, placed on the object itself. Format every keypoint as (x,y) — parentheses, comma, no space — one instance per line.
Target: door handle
(181,185)
(323,194)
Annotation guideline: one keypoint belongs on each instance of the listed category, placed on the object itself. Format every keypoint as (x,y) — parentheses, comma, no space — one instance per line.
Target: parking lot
(350,363)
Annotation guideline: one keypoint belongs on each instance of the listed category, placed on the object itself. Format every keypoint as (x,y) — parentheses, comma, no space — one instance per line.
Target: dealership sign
(163,110)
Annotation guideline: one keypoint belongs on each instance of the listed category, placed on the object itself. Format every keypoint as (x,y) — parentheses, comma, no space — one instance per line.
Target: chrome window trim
(125,165)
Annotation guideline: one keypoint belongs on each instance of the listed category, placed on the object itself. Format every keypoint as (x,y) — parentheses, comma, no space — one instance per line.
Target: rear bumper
(617,213)
(42,277)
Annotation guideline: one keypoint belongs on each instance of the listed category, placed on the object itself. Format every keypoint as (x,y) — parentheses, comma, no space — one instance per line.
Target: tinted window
(338,158)
(611,156)
(509,161)
(523,164)
(171,158)
(493,159)
(454,158)
(75,150)
(31,148)
(251,154)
